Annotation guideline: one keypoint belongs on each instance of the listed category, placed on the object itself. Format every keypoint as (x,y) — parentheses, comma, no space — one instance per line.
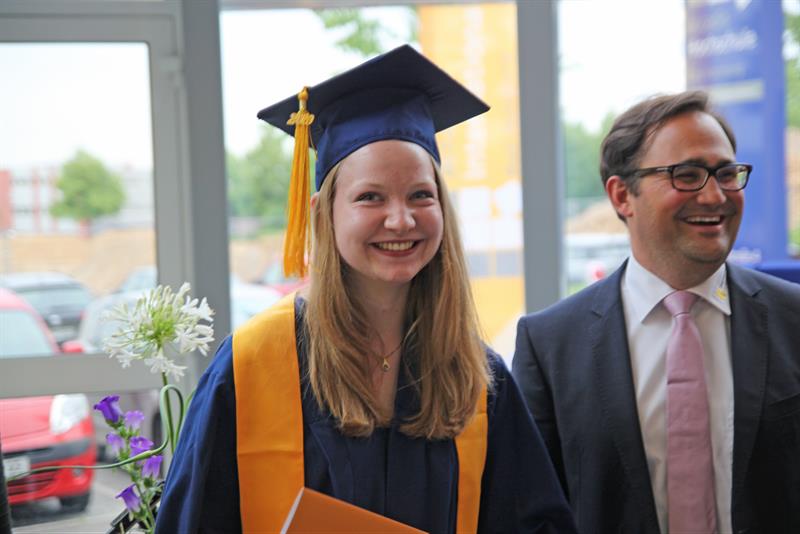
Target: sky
(57,98)
(614,53)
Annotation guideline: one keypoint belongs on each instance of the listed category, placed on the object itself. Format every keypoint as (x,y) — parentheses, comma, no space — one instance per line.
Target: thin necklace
(385,358)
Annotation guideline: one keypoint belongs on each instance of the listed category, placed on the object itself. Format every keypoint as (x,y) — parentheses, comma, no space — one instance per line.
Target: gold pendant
(385,365)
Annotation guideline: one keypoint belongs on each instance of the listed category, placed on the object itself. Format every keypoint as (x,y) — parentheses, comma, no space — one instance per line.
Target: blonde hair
(449,359)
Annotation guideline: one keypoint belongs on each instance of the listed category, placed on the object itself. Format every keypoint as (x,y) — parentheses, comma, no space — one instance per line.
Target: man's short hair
(629,137)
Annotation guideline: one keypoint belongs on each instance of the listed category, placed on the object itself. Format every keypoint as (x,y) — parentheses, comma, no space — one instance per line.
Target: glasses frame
(710,171)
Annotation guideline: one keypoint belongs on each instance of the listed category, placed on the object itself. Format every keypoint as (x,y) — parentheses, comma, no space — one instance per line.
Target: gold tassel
(297,234)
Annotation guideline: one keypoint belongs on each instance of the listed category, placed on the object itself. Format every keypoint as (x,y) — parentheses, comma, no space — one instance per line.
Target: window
(77,168)
(97,91)
(28,336)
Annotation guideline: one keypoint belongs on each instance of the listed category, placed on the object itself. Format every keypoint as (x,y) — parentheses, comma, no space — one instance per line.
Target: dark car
(59,299)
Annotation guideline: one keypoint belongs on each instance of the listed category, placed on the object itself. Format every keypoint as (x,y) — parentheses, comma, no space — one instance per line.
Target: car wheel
(77,503)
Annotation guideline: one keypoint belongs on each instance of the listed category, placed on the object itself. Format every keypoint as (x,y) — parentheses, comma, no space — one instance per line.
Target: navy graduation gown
(411,480)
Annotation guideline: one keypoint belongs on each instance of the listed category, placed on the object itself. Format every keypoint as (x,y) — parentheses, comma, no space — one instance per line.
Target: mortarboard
(397,95)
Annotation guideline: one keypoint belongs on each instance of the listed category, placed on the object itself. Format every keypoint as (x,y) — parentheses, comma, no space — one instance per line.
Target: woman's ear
(314,199)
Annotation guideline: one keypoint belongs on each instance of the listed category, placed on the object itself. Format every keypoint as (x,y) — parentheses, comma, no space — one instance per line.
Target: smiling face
(387,218)
(682,237)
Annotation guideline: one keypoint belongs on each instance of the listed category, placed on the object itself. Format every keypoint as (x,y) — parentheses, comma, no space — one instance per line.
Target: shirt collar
(650,290)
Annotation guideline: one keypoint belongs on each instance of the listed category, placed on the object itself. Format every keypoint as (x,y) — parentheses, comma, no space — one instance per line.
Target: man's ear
(619,194)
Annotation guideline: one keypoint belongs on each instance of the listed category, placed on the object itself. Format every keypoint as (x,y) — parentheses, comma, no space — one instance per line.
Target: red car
(42,431)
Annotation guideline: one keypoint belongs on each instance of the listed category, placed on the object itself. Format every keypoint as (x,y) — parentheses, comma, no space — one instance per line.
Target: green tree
(581,148)
(361,34)
(792,70)
(793,96)
(582,159)
(259,181)
(88,190)
(792,39)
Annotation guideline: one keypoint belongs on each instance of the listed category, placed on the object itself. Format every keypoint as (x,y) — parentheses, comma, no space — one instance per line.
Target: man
(618,386)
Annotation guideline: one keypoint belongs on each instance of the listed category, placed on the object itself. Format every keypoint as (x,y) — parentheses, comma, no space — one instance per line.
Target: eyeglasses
(693,177)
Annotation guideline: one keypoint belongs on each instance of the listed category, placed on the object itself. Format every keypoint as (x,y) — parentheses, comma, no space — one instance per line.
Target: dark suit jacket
(573,366)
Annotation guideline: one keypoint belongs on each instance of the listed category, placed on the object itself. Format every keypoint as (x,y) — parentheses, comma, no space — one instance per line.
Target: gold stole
(269,431)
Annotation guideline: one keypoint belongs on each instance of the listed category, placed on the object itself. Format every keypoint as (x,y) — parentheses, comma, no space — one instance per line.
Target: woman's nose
(399,217)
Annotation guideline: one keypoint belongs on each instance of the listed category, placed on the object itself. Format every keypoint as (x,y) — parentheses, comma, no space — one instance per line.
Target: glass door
(89,141)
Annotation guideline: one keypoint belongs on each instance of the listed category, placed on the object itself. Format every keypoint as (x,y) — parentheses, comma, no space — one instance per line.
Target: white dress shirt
(649,324)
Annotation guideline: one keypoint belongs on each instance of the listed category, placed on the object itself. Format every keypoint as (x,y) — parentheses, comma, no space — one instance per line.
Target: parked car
(59,299)
(42,431)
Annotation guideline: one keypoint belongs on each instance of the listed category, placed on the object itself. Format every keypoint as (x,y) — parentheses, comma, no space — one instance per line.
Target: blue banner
(734,51)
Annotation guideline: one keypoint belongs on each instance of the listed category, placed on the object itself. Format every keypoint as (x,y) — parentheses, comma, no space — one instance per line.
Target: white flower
(161,321)
(125,357)
(201,311)
(162,364)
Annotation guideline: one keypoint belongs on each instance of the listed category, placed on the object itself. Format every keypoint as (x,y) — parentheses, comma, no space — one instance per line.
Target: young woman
(373,385)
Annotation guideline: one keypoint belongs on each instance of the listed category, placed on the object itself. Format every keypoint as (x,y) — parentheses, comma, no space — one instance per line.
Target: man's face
(675,233)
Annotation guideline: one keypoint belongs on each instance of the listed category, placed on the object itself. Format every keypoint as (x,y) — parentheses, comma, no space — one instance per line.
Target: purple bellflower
(152,466)
(133,419)
(140,444)
(132,501)
(109,407)
(115,442)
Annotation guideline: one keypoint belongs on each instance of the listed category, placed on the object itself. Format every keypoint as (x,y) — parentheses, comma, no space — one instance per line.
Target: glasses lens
(732,177)
(688,177)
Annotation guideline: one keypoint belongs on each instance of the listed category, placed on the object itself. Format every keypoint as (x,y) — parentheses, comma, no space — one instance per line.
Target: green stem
(189,399)
(165,399)
(172,428)
(122,463)
(148,527)
(171,438)
(145,508)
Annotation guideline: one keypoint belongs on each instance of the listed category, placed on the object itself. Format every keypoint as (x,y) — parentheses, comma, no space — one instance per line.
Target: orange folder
(317,513)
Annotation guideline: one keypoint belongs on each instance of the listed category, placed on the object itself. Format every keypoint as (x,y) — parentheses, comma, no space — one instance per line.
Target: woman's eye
(423,194)
(366,197)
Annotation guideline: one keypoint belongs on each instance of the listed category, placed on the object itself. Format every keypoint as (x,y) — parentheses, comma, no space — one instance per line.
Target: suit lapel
(614,382)
(749,352)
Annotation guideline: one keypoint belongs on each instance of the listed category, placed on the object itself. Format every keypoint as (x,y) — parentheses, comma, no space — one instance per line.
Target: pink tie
(690,467)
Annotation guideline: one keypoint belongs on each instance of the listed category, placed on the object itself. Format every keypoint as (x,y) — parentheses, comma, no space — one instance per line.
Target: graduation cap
(397,95)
